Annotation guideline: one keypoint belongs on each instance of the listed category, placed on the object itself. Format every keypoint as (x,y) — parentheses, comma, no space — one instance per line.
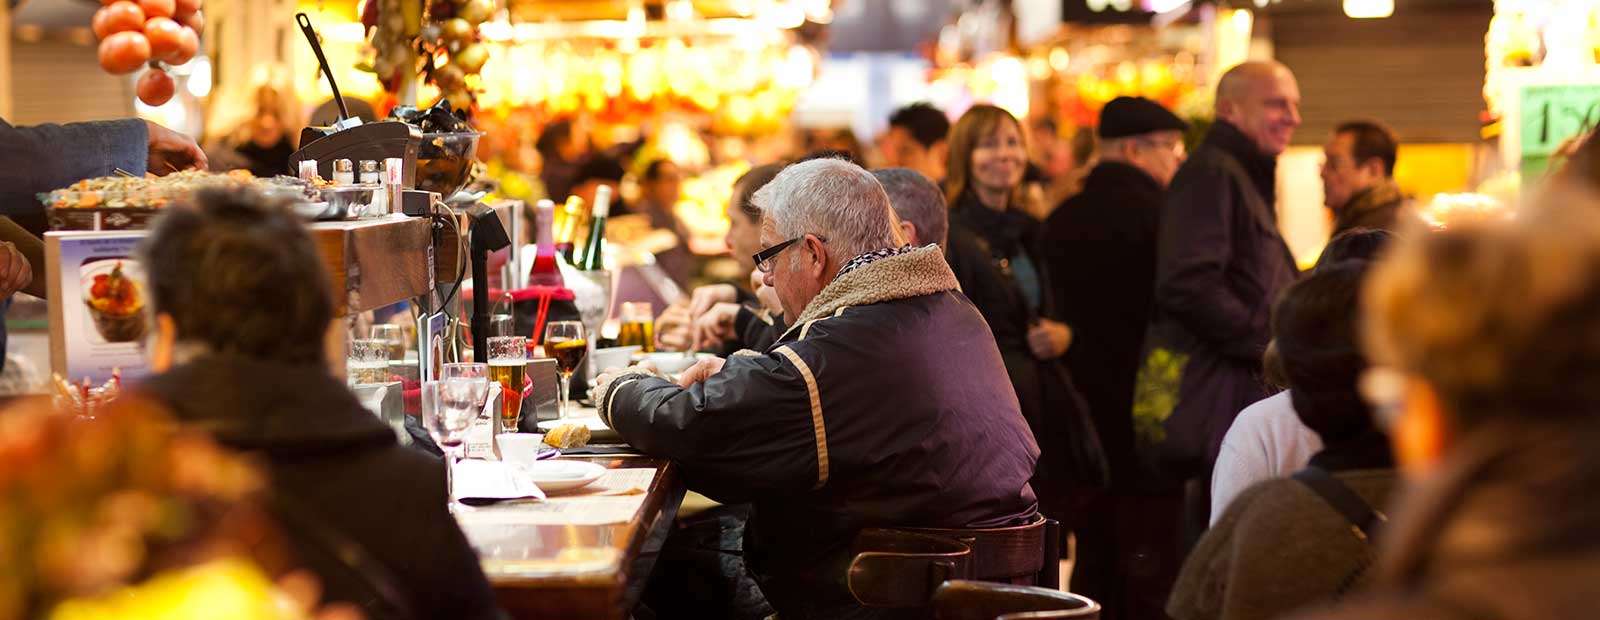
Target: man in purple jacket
(885,403)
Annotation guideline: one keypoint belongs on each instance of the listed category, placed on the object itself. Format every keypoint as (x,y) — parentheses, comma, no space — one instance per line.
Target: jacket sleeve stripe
(817,426)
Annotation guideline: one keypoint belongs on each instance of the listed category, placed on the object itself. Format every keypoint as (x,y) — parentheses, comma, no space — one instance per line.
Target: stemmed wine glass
(564,341)
(447,412)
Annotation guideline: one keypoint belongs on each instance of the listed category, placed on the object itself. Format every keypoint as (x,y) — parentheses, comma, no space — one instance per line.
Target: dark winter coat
(1100,252)
(337,465)
(885,404)
(984,249)
(1381,207)
(1220,265)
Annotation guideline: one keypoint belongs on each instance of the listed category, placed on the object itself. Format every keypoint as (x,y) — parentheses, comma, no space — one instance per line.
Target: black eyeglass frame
(763,259)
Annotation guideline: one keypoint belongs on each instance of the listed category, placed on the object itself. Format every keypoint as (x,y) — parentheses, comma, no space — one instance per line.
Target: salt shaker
(371,175)
(344,173)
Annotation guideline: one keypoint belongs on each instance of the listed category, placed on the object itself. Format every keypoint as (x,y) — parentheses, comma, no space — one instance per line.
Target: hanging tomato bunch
(136,33)
(441,34)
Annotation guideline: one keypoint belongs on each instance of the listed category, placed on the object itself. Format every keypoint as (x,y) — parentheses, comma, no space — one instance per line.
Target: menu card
(477,479)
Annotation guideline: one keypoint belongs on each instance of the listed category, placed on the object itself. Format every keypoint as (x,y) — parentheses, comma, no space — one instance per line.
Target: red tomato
(185,8)
(124,52)
(195,21)
(188,46)
(155,87)
(119,16)
(165,36)
(158,8)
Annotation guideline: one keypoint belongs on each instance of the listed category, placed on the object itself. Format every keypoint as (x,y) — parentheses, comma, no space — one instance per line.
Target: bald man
(1221,261)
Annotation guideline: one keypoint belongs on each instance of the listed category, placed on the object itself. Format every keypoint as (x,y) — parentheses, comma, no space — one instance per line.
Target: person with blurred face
(1221,262)
(674,326)
(993,247)
(916,140)
(660,187)
(860,415)
(1358,177)
(1100,251)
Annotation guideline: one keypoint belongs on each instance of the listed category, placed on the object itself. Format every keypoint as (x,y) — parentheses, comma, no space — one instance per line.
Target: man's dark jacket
(1100,252)
(885,404)
(337,467)
(1220,264)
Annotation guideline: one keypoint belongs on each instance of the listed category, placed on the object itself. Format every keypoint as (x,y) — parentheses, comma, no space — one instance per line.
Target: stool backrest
(1024,554)
(980,600)
(896,568)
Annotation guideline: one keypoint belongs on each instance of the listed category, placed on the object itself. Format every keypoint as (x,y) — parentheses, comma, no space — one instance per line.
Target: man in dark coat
(1100,250)
(242,308)
(1358,178)
(884,404)
(1221,260)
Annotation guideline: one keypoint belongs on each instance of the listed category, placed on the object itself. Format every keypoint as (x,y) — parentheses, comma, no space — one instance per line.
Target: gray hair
(918,200)
(831,198)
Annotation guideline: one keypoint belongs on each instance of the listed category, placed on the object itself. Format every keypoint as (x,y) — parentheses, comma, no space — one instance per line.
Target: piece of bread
(567,436)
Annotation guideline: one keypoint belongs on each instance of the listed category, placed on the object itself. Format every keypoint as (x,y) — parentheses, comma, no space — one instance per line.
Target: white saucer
(562,475)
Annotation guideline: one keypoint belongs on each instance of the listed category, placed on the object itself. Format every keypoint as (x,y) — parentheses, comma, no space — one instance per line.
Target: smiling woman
(993,251)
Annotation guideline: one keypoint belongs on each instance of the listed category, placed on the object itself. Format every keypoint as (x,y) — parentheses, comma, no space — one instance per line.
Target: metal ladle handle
(316,47)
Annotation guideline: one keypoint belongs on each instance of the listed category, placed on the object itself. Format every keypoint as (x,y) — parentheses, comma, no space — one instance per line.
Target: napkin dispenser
(387,401)
(374,141)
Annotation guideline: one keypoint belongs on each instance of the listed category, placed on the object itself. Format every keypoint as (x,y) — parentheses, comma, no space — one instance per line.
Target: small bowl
(612,357)
(672,363)
(348,200)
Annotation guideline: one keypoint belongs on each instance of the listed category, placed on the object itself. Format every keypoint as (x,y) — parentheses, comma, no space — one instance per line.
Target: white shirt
(1266,441)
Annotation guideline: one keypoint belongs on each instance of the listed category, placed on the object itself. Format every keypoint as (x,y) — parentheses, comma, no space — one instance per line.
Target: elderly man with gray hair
(924,219)
(885,403)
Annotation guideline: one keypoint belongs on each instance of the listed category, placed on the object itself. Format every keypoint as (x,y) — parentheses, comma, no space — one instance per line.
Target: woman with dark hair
(241,343)
(1287,542)
(993,250)
(1267,440)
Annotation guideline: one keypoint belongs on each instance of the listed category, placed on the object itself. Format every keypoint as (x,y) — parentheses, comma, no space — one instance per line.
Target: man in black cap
(1101,250)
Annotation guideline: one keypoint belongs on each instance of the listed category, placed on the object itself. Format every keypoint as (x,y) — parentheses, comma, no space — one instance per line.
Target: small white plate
(560,475)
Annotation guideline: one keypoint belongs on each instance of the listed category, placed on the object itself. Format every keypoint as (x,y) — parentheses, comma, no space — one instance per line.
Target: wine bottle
(568,229)
(545,271)
(594,253)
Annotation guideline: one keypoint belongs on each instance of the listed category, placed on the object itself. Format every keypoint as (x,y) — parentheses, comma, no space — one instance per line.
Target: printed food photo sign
(97,305)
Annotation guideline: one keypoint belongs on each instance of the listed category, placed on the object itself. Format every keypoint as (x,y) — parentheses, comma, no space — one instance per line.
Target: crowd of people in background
(977,336)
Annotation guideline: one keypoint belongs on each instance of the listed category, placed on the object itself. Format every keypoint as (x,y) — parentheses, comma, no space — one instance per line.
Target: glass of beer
(508,366)
(367,362)
(396,339)
(565,341)
(638,326)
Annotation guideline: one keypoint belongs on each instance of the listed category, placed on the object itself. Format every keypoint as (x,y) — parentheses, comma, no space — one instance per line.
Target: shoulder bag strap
(1365,522)
(386,598)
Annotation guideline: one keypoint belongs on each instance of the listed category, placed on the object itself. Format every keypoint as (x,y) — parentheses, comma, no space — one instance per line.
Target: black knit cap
(1131,116)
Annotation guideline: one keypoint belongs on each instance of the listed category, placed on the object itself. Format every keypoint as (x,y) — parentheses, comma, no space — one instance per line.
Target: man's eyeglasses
(764,258)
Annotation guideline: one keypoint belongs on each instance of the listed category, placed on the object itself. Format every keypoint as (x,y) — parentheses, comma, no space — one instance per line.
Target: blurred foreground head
(236,274)
(1487,327)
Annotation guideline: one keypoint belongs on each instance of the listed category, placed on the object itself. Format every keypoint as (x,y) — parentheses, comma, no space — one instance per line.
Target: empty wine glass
(447,421)
(565,341)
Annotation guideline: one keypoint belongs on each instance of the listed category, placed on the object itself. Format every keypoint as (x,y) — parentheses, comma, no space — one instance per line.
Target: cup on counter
(519,448)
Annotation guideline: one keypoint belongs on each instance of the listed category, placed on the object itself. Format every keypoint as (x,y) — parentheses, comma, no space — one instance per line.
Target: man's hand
(715,326)
(604,379)
(15,271)
(672,329)
(701,371)
(705,297)
(171,151)
(1049,339)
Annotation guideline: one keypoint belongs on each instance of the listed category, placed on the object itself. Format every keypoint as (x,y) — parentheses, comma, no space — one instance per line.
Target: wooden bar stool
(980,600)
(897,568)
(1023,554)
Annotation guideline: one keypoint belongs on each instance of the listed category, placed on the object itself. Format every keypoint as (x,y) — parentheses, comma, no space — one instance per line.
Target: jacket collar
(922,271)
(1263,169)
(272,406)
(1381,196)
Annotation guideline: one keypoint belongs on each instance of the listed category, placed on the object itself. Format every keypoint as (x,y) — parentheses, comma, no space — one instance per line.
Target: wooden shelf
(374,263)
